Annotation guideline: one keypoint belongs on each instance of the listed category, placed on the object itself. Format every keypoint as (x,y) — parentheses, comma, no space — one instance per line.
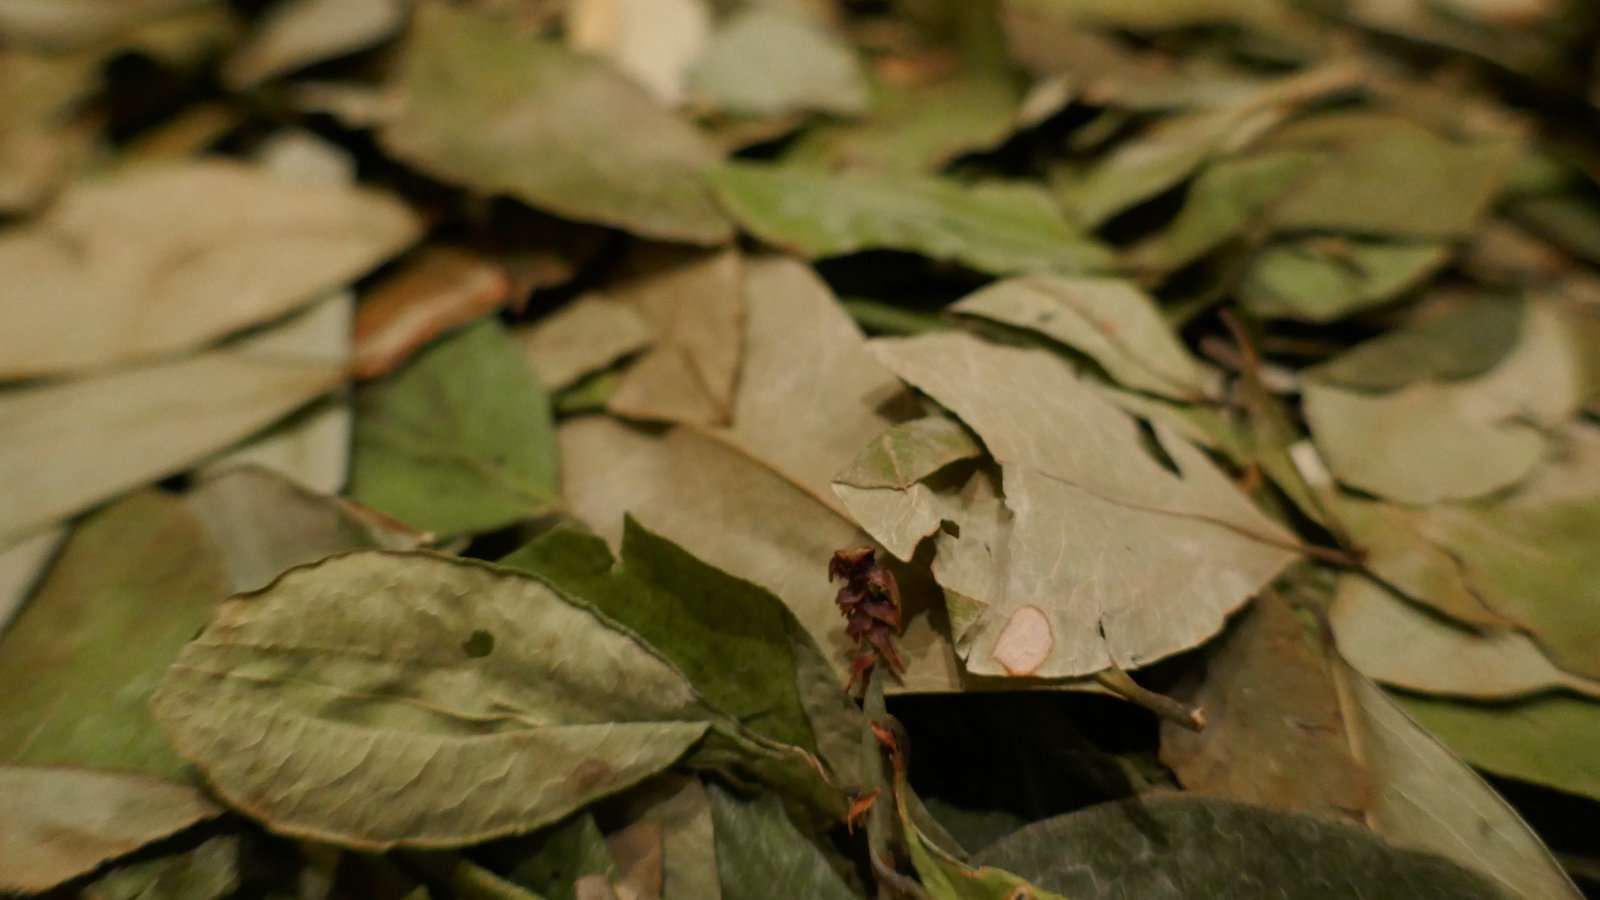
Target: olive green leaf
(760,853)
(476,701)
(208,872)
(997,227)
(458,441)
(1545,739)
(59,823)
(133,583)
(553,859)
(508,114)
(1324,279)
(1179,846)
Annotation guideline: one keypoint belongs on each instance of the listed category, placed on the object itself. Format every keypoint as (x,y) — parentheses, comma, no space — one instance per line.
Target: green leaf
(767,61)
(1547,740)
(1178,846)
(208,872)
(1109,320)
(458,441)
(1322,280)
(59,823)
(1392,177)
(760,854)
(133,583)
(734,641)
(507,114)
(996,228)
(477,701)
(550,861)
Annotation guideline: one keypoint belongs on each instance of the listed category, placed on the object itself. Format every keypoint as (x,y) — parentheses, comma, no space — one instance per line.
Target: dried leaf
(760,854)
(458,441)
(998,228)
(909,452)
(1435,439)
(521,116)
(439,288)
(1546,739)
(264,525)
(40,137)
(653,41)
(132,584)
(59,823)
(1275,733)
(52,455)
(738,515)
(1396,642)
(589,334)
(1427,799)
(21,563)
(681,807)
(552,860)
(1112,557)
(799,343)
(480,702)
(1322,280)
(208,872)
(766,61)
(1174,845)
(294,34)
(136,269)
(1109,320)
(312,446)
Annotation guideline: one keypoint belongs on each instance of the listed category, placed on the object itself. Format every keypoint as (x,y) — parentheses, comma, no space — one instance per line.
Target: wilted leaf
(1112,557)
(1275,733)
(1321,280)
(52,457)
(59,823)
(1441,438)
(458,441)
(132,584)
(586,335)
(766,61)
(997,228)
(738,515)
(507,114)
(694,303)
(208,872)
(1109,320)
(1175,846)
(760,854)
(264,524)
(653,41)
(135,268)
(1391,640)
(1545,739)
(439,288)
(297,33)
(478,701)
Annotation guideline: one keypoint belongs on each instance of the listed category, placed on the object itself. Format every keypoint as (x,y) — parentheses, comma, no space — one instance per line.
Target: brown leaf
(438,288)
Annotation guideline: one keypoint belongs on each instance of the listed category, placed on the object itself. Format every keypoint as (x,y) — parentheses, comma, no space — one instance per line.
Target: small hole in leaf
(479,645)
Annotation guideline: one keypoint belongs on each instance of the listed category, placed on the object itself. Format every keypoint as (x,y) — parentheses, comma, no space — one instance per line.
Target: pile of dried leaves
(429,430)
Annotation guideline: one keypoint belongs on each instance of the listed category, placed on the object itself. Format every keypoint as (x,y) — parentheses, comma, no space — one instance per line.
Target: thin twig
(1123,685)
